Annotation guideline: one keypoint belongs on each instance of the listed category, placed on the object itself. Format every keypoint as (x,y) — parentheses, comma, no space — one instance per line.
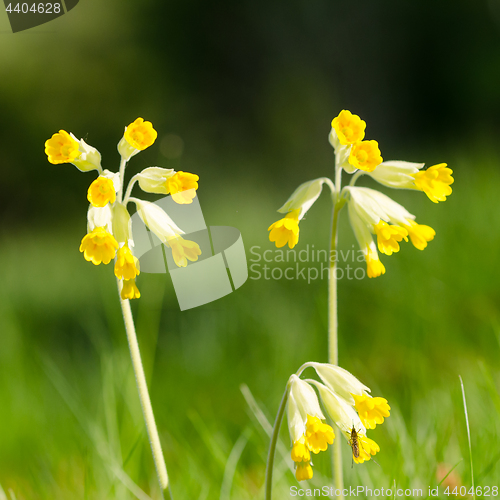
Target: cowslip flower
(183,250)
(64,147)
(365,155)
(286,230)
(435,182)
(371,213)
(348,128)
(350,407)
(347,420)
(308,432)
(138,136)
(109,233)
(372,411)
(180,185)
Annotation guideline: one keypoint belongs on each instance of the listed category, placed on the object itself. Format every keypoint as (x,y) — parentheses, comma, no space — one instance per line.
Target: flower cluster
(371,213)
(348,405)
(109,232)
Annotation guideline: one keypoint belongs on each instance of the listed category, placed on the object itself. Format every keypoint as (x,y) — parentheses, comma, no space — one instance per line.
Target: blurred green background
(243,93)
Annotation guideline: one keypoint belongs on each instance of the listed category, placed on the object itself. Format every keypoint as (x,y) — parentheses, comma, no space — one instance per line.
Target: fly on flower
(109,233)
(373,215)
(347,403)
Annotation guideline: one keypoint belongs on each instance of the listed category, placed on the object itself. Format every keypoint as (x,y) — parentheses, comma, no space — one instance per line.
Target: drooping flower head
(308,432)
(285,230)
(129,290)
(435,182)
(349,406)
(370,213)
(109,229)
(184,250)
(182,187)
(99,246)
(126,265)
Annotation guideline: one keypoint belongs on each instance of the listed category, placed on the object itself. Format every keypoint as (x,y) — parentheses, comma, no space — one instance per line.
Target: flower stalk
(272,446)
(142,387)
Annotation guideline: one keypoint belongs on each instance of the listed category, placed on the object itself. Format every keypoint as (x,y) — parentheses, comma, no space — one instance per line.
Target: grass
(71,425)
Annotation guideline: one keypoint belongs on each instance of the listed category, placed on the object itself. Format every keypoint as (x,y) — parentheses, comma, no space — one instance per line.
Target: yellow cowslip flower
(184,250)
(366,447)
(129,290)
(300,451)
(182,187)
(349,128)
(388,237)
(435,182)
(371,410)
(101,192)
(61,148)
(342,412)
(126,265)
(420,234)
(140,134)
(318,434)
(99,246)
(308,433)
(365,155)
(374,268)
(303,471)
(285,230)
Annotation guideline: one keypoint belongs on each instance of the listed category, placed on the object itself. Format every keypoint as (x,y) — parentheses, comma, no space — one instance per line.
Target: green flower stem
(333,348)
(123,164)
(147,409)
(272,446)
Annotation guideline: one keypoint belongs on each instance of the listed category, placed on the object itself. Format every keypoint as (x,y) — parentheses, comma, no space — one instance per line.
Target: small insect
(354,442)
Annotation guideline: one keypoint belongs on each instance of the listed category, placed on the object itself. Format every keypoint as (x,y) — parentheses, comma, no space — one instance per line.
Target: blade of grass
(450,471)
(232,462)
(468,437)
